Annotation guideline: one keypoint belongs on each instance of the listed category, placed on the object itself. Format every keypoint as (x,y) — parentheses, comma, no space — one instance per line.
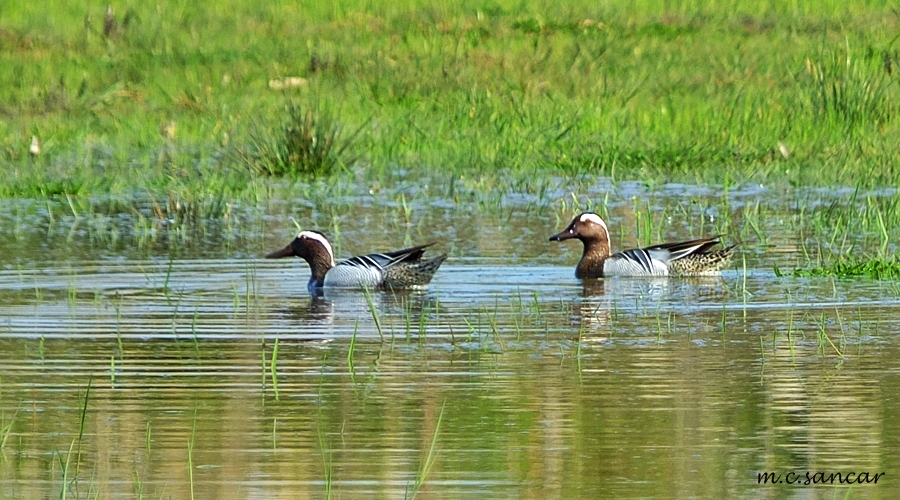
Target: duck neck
(319,266)
(592,259)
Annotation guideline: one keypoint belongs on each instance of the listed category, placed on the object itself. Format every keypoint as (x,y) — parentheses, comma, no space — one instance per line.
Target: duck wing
(636,262)
(382,261)
(671,252)
(655,260)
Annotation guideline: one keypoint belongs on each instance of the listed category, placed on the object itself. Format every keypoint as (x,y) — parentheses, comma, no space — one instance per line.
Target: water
(506,378)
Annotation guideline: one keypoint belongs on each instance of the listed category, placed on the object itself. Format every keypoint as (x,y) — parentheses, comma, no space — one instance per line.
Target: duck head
(587,227)
(591,230)
(314,248)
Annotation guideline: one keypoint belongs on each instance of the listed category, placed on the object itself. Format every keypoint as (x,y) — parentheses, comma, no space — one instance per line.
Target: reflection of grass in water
(428,463)
(66,464)
(824,338)
(828,339)
(191,453)
(352,347)
(723,320)
(84,408)
(148,439)
(581,330)
(423,325)
(194,319)
(327,462)
(273,368)
(658,324)
(492,322)
(6,429)
(790,333)
(407,317)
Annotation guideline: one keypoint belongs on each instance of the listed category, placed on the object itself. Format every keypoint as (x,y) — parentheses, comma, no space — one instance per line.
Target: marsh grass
(183,206)
(308,142)
(849,88)
(138,484)
(860,223)
(875,268)
(64,468)
(423,325)
(499,97)
(374,311)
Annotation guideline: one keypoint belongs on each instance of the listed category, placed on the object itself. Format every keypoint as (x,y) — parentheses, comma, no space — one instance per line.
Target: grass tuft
(879,269)
(307,144)
(849,89)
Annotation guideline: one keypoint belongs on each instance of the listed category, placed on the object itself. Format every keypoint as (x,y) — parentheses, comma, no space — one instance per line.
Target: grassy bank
(175,97)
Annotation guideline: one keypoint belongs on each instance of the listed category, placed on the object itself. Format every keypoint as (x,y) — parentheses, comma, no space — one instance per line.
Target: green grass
(876,268)
(167,99)
(308,143)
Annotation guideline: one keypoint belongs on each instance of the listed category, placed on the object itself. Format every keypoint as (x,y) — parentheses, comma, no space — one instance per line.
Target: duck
(684,258)
(397,269)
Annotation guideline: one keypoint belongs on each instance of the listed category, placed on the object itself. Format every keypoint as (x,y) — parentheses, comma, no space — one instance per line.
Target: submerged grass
(801,93)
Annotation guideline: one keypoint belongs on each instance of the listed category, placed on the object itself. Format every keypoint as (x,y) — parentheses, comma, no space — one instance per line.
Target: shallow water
(506,378)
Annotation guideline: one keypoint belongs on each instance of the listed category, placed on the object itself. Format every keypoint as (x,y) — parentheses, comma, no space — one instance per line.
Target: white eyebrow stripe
(592,217)
(321,239)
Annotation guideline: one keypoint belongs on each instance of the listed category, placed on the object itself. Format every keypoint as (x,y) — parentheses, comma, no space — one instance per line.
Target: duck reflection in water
(604,300)
(341,312)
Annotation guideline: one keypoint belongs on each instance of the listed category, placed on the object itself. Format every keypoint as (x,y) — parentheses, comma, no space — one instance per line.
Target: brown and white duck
(684,258)
(398,269)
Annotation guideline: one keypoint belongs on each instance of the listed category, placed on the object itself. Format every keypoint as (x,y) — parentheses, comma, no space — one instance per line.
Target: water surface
(204,368)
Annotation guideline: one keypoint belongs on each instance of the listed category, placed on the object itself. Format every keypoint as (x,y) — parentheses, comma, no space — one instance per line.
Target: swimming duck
(398,269)
(685,258)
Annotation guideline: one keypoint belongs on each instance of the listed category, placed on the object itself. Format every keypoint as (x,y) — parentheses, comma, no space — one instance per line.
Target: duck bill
(287,251)
(565,235)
